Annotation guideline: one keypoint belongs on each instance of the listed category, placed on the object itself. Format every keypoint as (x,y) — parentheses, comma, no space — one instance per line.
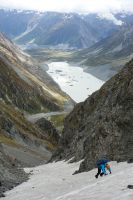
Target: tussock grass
(58,120)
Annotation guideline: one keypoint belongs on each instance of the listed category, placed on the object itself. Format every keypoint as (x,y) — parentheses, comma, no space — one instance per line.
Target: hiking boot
(101,174)
(96,176)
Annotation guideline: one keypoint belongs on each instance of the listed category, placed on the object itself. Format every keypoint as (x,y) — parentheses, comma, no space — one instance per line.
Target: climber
(108,168)
(102,165)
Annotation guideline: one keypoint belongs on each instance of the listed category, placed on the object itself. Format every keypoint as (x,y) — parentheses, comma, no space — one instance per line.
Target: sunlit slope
(22,84)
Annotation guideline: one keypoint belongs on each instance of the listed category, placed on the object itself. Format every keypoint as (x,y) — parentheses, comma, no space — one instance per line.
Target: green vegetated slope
(58,121)
(49,55)
(101,127)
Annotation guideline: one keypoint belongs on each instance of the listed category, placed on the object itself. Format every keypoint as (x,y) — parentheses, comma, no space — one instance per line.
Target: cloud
(80,6)
(111,17)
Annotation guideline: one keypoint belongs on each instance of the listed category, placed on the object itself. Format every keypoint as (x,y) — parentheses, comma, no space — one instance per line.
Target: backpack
(100,162)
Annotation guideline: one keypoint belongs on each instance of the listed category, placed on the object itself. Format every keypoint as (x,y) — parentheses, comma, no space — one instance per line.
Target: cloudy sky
(80,6)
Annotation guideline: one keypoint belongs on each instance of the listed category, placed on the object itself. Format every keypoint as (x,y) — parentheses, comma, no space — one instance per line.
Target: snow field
(55,181)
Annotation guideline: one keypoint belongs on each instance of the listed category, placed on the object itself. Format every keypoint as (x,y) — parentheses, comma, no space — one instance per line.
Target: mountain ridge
(116,49)
(61,30)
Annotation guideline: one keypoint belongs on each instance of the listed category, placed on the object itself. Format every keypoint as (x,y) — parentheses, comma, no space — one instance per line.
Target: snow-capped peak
(111,17)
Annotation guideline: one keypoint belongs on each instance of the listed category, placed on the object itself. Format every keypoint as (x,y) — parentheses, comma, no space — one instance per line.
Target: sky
(79,6)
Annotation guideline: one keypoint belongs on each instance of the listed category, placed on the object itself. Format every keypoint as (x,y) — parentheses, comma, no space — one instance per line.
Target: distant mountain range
(113,51)
(116,49)
(64,30)
(103,40)
(100,40)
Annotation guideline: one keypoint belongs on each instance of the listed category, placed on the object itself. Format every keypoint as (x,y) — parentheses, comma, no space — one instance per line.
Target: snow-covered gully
(55,181)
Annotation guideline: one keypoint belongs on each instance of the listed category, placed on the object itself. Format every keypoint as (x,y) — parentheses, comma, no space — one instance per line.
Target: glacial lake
(73,80)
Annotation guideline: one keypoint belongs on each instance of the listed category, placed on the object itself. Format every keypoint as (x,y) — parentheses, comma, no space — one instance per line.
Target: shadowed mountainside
(102,125)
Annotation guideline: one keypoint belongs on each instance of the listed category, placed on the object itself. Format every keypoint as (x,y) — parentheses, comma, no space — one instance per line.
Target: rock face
(49,130)
(102,125)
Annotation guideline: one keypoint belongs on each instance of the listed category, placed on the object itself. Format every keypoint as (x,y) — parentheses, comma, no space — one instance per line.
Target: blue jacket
(103,166)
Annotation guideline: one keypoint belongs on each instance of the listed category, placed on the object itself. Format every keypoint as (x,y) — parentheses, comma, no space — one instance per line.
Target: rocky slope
(24,89)
(116,49)
(21,80)
(102,125)
(10,175)
(50,132)
(22,145)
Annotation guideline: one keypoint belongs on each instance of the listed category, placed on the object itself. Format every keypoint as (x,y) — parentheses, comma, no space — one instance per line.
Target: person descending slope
(102,165)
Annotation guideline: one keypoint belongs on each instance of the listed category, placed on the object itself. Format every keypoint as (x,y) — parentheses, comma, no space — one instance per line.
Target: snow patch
(31,41)
(111,17)
(31,26)
(29,29)
(96,51)
(117,48)
(54,181)
(68,16)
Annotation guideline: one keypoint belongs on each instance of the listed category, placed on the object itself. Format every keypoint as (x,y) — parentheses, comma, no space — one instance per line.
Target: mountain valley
(66,94)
